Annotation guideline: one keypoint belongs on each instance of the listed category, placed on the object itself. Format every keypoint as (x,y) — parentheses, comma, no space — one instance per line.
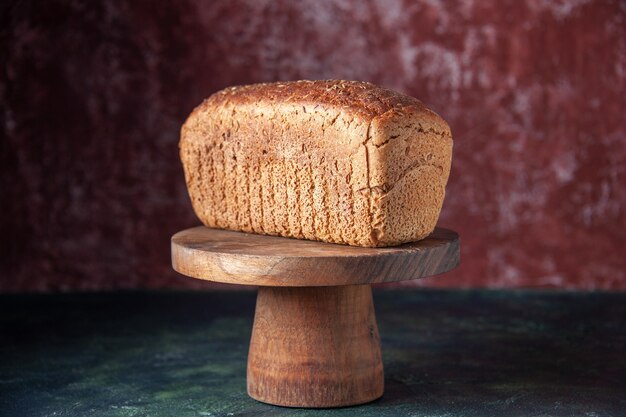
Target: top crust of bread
(361,99)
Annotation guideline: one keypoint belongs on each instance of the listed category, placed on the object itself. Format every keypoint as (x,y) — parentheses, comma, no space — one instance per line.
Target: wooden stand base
(315,341)
(315,347)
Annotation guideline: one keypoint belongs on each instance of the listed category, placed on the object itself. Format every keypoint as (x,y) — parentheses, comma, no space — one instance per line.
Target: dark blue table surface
(446,353)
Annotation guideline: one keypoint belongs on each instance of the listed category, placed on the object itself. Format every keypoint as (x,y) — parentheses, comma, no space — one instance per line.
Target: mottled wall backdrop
(94,92)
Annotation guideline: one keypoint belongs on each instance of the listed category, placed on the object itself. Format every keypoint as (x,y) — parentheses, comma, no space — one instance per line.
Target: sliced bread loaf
(336,161)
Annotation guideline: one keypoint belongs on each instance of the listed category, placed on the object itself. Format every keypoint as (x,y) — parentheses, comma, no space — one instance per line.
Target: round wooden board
(250,259)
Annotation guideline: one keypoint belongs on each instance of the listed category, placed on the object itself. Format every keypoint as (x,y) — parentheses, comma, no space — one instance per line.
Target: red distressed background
(93,95)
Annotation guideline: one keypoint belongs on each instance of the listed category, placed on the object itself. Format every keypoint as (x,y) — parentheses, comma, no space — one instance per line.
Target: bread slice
(336,161)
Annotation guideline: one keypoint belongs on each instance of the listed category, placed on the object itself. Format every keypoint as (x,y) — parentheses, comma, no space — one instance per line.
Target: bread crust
(337,161)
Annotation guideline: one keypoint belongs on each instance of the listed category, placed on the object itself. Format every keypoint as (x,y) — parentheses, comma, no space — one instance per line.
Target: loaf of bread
(337,161)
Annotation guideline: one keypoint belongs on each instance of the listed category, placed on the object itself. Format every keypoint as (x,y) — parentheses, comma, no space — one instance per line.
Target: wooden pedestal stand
(315,341)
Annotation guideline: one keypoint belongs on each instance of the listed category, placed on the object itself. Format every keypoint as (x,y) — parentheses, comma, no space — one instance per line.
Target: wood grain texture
(249,259)
(315,347)
(315,344)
